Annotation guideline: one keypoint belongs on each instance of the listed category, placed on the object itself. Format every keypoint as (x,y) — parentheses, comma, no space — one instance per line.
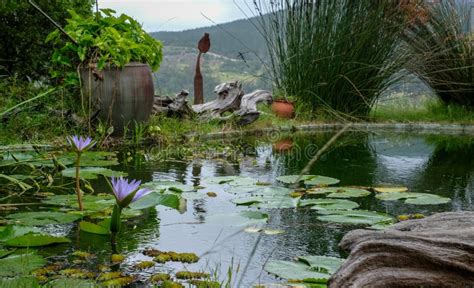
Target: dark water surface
(436,164)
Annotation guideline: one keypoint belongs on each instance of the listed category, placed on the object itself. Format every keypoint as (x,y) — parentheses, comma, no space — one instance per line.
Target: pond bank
(432,128)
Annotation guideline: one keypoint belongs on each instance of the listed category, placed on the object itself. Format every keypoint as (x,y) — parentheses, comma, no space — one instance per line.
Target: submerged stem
(78,182)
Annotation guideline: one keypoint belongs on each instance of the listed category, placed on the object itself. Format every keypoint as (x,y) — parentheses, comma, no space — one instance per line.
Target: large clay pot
(283,109)
(123,96)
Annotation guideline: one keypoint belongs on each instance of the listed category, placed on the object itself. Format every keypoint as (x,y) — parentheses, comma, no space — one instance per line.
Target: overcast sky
(175,15)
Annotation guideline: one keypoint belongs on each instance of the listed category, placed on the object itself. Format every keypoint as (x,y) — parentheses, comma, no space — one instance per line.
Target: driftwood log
(437,251)
(231,99)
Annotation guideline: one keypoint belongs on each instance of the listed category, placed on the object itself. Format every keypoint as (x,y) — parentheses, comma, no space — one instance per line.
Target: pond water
(424,163)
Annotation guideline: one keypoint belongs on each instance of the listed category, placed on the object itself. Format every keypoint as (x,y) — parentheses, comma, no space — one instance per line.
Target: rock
(437,251)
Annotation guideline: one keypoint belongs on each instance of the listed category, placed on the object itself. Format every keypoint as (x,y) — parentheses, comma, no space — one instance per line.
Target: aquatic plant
(125,193)
(79,145)
(334,55)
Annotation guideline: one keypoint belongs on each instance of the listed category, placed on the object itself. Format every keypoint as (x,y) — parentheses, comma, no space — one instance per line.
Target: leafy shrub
(107,40)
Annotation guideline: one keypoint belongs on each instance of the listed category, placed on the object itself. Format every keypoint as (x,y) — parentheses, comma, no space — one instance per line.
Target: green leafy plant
(106,40)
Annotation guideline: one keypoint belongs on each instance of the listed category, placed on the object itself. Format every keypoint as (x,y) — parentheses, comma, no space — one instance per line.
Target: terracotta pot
(283,145)
(123,96)
(283,108)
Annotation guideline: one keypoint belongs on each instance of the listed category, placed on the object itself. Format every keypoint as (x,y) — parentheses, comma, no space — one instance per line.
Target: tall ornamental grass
(443,50)
(336,55)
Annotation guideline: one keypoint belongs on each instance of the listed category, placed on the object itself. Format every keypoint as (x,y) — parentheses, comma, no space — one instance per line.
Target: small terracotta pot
(283,109)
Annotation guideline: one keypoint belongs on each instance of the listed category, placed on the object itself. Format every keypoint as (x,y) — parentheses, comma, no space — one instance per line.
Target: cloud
(173,15)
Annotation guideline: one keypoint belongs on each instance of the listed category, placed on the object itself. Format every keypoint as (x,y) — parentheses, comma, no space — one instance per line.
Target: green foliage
(105,39)
(23,51)
(334,55)
(442,51)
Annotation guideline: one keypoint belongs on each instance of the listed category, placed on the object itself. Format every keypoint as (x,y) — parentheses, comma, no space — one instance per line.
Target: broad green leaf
(42,218)
(4,253)
(93,228)
(91,172)
(12,231)
(291,179)
(295,271)
(322,264)
(346,192)
(354,217)
(231,180)
(414,198)
(153,199)
(319,180)
(19,282)
(35,240)
(15,265)
(90,202)
(169,186)
(329,204)
(391,189)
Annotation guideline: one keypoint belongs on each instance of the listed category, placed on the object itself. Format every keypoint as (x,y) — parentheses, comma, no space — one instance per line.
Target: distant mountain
(233,56)
(228,39)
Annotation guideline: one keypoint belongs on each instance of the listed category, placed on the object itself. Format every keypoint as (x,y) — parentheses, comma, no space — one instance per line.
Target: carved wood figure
(204,45)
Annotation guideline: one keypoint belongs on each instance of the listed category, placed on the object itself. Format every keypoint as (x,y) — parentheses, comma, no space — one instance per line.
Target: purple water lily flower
(124,189)
(80,143)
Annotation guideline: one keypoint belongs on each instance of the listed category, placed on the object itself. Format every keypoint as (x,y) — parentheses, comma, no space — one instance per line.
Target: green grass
(432,111)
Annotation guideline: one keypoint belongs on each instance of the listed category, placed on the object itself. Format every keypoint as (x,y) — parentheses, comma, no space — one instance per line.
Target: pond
(234,247)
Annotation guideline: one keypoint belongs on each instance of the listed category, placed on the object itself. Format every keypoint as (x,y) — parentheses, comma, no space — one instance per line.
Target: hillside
(228,39)
(233,56)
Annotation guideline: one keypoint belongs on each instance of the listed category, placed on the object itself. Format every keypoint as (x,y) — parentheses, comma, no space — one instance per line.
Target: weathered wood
(437,251)
(248,112)
(229,96)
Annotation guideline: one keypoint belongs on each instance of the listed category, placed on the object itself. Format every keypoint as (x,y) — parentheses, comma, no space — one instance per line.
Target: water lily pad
(153,199)
(263,230)
(346,192)
(354,217)
(91,172)
(314,269)
(291,179)
(90,202)
(12,231)
(169,186)
(42,218)
(231,180)
(19,282)
(15,265)
(414,198)
(391,189)
(242,189)
(94,228)
(35,240)
(321,181)
(268,202)
(329,204)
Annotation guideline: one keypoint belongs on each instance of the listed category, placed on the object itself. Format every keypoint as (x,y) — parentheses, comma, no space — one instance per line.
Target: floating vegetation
(169,187)
(42,218)
(263,230)
(83,254)
(191,275)
(313,269)
(160,277)
(311,180)
(211,194)
(144,265)
(243,218)
(390,189)
(205,283)
(344,192)
(329,204)
(77,273)
(109,276)
(362,217)
(414,198)
(410,216)
(90,173)
(22,264)
(171,256)
(231,180)
(171,284)
(119,282)
(117,258)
